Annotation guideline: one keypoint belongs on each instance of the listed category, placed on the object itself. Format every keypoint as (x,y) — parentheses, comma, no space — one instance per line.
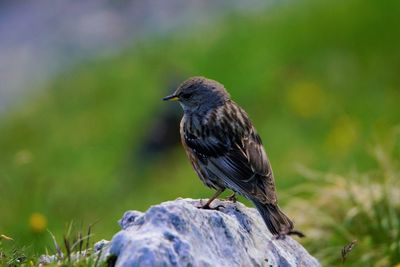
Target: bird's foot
(208,207)
(232,198)
(212,208)
(205,207)
(282,235)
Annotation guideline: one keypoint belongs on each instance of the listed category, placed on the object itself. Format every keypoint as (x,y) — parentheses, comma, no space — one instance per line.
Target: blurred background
(84,135)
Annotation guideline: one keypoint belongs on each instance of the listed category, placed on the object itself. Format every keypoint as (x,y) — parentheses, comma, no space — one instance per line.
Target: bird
(225,149)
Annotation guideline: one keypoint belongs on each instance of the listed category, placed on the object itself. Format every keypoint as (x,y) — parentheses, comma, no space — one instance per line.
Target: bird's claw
(232,198)
(205,207)
(282,235)
(208,207)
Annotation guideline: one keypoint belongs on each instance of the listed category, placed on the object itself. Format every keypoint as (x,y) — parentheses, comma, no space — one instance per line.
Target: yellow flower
(38,222)
(306,99)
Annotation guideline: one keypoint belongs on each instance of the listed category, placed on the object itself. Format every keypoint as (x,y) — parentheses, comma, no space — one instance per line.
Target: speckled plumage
(225,149)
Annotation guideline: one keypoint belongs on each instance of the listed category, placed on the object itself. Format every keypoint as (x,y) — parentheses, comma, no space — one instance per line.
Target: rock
(100,245)
(178,233)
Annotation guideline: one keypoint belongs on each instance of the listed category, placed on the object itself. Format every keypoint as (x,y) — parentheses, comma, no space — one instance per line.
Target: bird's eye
(185,95)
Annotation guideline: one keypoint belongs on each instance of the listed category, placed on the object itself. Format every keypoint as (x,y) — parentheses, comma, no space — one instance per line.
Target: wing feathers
(236,156)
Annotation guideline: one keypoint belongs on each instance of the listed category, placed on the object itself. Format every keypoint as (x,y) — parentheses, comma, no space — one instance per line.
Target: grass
(318,78)
(11,256)
(360,209)
(76,249)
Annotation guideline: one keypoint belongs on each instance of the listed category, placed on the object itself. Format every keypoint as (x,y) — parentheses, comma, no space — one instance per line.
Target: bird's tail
(277,222)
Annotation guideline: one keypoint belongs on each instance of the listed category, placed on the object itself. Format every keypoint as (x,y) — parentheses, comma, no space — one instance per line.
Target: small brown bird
(225,149)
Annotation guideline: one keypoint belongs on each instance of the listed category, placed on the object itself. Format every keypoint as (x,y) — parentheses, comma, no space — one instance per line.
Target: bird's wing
(242,164)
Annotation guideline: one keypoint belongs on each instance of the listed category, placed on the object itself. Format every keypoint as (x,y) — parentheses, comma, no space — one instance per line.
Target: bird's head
(199,94)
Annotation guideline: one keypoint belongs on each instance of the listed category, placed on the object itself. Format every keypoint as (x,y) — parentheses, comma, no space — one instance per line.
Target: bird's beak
(172,97)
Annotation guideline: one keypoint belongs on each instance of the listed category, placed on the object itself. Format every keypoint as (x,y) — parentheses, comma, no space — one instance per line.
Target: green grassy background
(320,80)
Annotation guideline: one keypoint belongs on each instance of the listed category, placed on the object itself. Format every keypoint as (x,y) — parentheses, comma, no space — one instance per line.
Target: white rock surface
(177,233)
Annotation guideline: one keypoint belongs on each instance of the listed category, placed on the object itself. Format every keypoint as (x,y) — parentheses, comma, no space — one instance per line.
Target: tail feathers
(277,222)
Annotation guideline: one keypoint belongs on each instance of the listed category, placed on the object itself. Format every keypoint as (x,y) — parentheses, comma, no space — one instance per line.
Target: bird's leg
(282,233)
(232,197)
(207,205)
